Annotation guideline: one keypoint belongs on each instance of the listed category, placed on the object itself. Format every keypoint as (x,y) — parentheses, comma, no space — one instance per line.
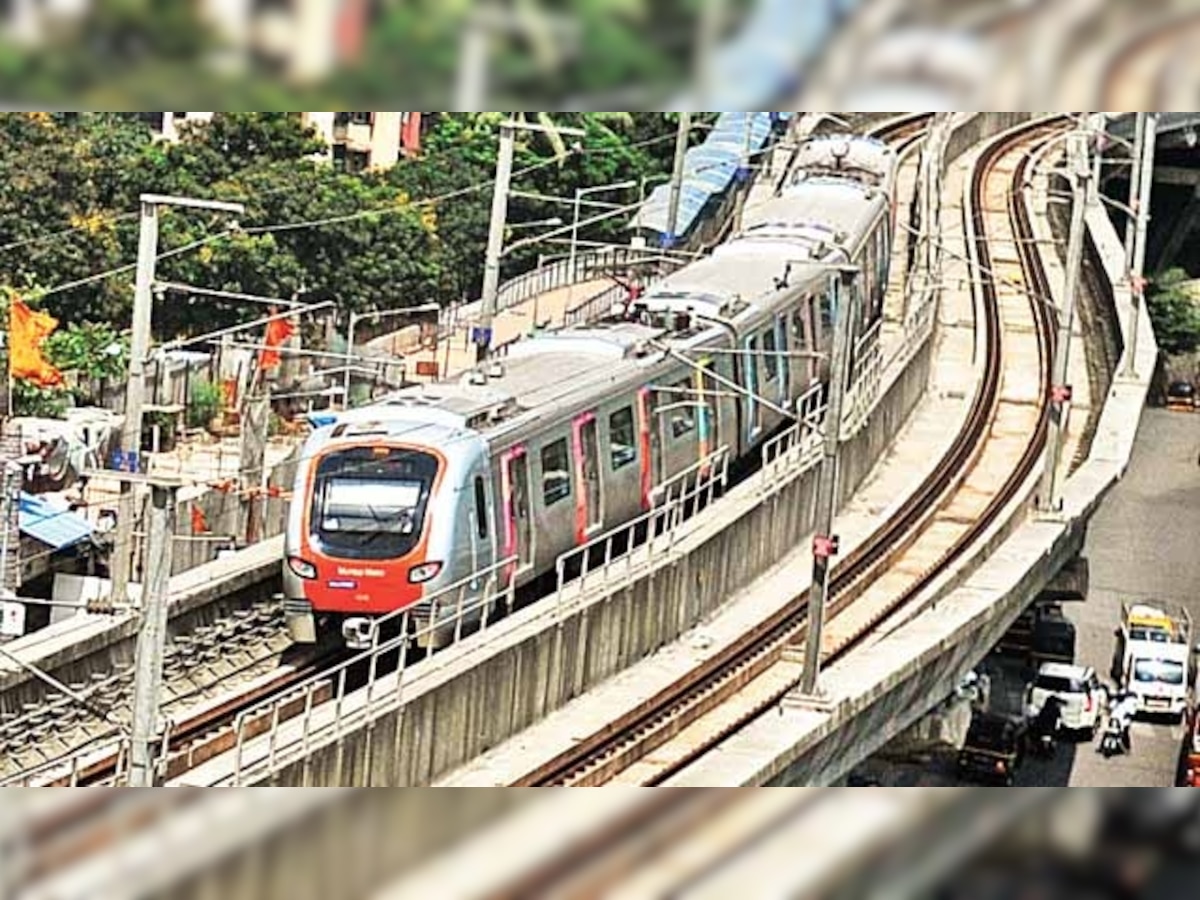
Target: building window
(339,157)
(622,439)
(556,472)
(360,118)
(357,160)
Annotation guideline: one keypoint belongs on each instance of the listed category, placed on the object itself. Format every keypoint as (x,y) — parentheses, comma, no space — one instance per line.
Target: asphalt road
(1144,542)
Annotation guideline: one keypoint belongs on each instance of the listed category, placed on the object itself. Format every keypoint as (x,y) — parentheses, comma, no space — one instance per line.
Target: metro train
(568,435)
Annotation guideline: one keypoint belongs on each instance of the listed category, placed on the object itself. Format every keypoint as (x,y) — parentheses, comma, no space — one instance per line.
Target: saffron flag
(199,522)
(278,331)
(27,330)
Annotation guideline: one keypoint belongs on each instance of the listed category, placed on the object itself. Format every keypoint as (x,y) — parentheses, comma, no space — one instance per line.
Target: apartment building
(367,140)
(354,141)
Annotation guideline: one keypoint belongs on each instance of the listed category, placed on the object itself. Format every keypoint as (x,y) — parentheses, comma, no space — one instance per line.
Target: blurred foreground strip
(338,844)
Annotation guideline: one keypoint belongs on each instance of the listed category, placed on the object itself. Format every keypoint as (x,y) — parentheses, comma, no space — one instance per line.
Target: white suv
(1077,687)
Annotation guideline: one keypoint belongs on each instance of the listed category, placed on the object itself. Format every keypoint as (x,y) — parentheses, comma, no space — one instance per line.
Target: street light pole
(135,388)
(355,318)
(579,195)
(495,242)
(824,542)
(151,638)
(1137,281)
(1060,398)
(1135,183)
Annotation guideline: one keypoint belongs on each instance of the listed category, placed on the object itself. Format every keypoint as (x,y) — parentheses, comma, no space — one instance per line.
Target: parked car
(994,748)
(1077,687)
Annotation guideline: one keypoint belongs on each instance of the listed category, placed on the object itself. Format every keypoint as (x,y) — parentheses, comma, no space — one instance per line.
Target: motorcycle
(1112,739)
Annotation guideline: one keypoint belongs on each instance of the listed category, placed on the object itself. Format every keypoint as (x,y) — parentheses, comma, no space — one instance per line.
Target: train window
(799,337)
(827,311)
(683,418)
(622,438)
(556,472)
(770,360)
(481,524)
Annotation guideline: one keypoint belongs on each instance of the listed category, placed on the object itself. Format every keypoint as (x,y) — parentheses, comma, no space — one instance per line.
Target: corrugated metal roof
(54,527)
(708,171)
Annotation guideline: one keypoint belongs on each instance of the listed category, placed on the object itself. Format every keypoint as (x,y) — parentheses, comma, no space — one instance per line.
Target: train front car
(382,519)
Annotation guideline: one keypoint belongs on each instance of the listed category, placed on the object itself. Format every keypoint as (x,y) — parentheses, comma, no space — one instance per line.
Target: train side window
(622,438)
(799,337)
(827,311)
(770,360)
(556,472)
(481,524)
(683,418)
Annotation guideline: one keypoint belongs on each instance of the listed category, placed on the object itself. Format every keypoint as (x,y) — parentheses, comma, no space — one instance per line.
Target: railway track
(204,721)
(1003,433)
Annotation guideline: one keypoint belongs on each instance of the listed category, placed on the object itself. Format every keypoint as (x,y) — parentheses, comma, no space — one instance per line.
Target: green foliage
(69,188)
(1174,311)
(204,404)
(40,402)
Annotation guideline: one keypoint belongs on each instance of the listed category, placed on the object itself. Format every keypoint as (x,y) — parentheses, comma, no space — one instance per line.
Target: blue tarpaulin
(709,169)
(55,527)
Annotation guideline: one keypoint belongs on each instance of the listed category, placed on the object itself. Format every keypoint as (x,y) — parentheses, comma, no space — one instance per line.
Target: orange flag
(278,331)
(199,522)
(26,332)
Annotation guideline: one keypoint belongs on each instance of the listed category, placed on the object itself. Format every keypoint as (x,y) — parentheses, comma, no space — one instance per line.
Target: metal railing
(653,533)
(473,600)
(614,557)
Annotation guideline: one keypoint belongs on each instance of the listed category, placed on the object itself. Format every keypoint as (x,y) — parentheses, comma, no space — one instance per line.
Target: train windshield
(369,502)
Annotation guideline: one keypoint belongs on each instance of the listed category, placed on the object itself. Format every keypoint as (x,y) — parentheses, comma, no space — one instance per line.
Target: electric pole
(1060,389)
(121,561)
(1135,186)
(491,264)
(681,142)
(152,636)
(824,541)
(1137,281)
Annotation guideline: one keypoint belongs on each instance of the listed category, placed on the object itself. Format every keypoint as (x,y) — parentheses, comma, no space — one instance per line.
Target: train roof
(538,374)
(837,208)
(864,160)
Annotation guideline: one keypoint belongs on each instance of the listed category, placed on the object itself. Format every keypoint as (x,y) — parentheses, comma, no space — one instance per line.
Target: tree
(1173,310)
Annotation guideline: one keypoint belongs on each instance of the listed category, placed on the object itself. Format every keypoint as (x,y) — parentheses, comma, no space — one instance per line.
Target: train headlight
(422,573)
(302,568)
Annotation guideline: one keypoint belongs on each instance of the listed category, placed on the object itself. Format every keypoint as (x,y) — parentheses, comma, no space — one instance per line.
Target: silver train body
(569,435)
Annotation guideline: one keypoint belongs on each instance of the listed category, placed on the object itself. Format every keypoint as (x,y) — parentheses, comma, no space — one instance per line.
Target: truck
(1155,653)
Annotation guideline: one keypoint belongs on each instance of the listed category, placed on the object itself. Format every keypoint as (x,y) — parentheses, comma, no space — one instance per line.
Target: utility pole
(152,636)
(744,174)
(135,389)
(681,142)
(824,541)
(1137,281)
(1060,389)
(252,459)
(491,263)
(1135,185)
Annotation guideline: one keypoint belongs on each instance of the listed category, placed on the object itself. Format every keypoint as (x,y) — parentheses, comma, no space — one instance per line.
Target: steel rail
(598,757)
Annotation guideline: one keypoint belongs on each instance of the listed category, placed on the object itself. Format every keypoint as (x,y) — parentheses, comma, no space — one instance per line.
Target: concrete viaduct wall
(481,692)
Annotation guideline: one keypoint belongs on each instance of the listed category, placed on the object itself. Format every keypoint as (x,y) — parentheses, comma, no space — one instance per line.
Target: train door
(517,517)
(589,508)
(785,361)
(651,441)
(753,407)
(706,414)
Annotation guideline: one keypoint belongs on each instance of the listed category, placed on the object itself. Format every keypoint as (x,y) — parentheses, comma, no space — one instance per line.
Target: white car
(1077,687)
